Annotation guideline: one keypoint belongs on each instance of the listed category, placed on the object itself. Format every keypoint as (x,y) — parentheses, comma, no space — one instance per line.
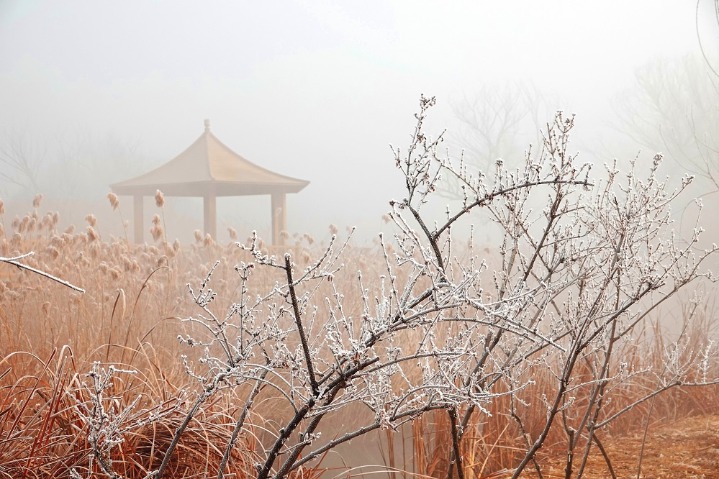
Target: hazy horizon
(315,90)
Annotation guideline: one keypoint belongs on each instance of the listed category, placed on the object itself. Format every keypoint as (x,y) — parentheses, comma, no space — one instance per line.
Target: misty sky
(316,89)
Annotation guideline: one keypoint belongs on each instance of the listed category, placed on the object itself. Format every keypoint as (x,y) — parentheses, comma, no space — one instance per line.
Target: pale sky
(315,89)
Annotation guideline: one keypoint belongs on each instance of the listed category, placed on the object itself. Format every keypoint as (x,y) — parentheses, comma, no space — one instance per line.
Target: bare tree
(448,328)
(21,161)
(675,107)
(494,123)
(87,164)
(712,65)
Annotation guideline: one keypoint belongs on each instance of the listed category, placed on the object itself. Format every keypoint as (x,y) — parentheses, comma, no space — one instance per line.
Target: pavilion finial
(207,125)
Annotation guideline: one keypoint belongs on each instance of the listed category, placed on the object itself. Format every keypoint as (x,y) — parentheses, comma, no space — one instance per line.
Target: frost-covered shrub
(583,259)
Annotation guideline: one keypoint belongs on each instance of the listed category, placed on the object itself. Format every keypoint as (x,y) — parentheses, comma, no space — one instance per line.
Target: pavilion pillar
(138,210)
(210,215)
(279,218)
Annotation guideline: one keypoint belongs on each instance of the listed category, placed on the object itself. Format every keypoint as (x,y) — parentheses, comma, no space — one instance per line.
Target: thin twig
(14,261)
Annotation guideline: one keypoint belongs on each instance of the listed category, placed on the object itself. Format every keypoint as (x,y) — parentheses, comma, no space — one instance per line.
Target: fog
(94,92)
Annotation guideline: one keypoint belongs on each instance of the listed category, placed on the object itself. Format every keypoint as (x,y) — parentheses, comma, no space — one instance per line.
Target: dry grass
(496,442)
(131,315)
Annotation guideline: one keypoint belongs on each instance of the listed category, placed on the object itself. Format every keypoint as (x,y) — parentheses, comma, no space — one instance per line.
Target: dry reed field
(405,358)
(131,315)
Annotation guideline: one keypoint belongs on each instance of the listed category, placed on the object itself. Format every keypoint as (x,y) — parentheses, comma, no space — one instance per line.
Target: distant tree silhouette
(675,108)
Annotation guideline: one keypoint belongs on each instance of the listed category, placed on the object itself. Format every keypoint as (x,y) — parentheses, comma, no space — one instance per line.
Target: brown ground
(683,449)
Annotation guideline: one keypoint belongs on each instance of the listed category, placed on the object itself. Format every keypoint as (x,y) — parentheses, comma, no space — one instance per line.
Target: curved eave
(210,188)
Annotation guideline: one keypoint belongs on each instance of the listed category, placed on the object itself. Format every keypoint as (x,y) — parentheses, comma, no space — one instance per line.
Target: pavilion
(209,169)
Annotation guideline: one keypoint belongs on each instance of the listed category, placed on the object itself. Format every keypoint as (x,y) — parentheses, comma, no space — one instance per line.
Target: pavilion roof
(208,167)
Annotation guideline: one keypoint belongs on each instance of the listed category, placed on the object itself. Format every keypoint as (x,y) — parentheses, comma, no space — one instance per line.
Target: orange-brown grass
(496,442)
(43,436)
(131,315)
